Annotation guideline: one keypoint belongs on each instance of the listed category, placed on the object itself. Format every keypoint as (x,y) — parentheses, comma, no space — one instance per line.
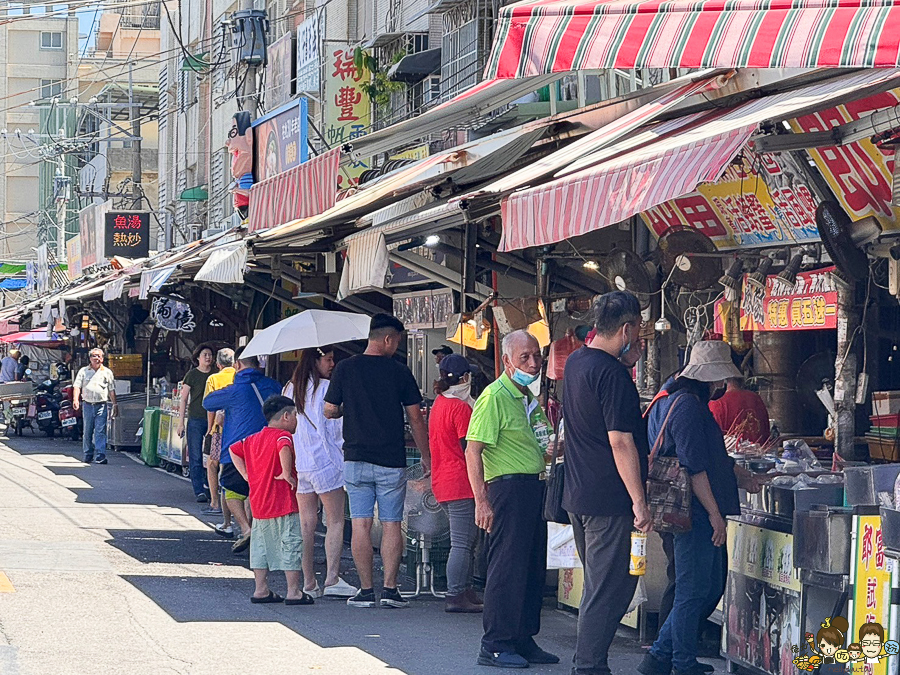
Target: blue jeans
(94,439)
(698,578)
(196,430)
(367,483)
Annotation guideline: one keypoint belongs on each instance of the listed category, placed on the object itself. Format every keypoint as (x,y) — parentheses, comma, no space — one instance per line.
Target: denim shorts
(367,483)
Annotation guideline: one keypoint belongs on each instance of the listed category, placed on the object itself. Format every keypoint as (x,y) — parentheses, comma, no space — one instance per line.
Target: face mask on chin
(522,378)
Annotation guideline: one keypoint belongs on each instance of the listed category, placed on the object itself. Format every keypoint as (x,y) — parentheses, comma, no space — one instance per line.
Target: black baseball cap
(443,349)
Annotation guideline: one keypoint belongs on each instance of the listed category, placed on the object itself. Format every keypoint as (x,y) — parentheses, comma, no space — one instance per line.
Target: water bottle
(638,565)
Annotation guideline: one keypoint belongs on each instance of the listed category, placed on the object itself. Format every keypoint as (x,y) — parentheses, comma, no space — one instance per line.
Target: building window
(460,69)
(51,40)
(51,88)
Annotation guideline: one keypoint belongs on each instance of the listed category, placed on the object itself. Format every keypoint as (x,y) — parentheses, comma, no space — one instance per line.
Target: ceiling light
(432,240)
(591,265)
(731,280)
(787,278)
(758,278)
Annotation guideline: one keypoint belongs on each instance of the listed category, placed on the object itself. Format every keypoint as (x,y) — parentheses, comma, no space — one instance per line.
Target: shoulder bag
(668,487)
(556,480)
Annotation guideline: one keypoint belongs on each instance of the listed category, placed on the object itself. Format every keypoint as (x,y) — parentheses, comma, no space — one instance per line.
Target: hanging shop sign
(73,257)
(280,140)
(761,200)
(424,309)
(173,314)
(859,173)
(308,64)
(92,223)
(348,109)
(811,304)
(871,577)
(127,234)
(280,71)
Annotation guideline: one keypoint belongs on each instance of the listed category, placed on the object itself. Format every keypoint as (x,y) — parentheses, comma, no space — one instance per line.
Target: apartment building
(38,62)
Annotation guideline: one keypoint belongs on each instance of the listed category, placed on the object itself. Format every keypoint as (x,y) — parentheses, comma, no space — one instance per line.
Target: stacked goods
(883,438)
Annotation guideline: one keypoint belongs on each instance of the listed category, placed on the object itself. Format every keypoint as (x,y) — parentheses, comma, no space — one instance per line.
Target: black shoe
(363,598)
(241,544)
(88,460)
(390,597)
(202,499)
(537,655)
(501,659)
(654,666)
(101,460)
(697,669)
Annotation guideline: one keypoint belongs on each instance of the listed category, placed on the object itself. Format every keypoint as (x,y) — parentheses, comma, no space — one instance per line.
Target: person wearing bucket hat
(692,434)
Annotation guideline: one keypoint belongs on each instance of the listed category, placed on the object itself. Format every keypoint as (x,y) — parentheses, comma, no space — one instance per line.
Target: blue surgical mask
(625,349)
(522,378)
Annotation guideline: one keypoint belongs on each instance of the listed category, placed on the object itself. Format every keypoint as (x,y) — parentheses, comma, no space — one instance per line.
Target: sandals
(305,599)
(272,597)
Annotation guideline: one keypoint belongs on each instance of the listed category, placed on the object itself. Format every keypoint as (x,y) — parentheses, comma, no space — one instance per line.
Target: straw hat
(710,362)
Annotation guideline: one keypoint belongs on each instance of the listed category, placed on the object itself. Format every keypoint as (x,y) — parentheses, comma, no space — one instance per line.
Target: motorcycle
(47,399)
(70,419)
(19,414)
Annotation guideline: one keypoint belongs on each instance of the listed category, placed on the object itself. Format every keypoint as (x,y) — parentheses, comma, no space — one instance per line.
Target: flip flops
(272,597)
(306,599)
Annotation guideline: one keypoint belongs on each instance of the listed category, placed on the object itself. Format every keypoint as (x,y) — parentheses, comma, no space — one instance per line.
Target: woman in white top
(318,448)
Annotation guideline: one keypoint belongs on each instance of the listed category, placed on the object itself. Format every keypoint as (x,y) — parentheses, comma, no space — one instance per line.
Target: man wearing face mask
(505,458)
(606,470)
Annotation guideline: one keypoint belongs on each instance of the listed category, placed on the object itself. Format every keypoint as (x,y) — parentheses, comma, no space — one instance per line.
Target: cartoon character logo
(827,646)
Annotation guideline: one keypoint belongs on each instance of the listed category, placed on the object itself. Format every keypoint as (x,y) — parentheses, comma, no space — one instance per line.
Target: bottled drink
(638,565)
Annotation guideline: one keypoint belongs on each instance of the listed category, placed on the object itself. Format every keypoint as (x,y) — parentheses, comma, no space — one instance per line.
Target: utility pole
(137,192)
(254,26)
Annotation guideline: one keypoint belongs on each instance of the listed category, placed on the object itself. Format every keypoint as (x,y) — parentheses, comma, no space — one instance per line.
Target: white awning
(225,265)
(366,264)
(113,289)
(155,279)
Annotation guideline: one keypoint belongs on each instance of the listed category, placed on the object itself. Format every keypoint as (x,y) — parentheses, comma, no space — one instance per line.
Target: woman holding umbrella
(318,447)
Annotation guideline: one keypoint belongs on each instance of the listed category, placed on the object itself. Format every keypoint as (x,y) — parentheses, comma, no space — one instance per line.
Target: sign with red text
(810,304)
(348,109)
(127,234)
(871,578)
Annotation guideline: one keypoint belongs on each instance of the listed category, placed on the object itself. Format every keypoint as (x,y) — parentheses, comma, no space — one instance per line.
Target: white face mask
(461,391)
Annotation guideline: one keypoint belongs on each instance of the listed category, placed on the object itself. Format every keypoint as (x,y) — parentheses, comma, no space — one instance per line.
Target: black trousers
(516,566)
(604,547)
(668,596)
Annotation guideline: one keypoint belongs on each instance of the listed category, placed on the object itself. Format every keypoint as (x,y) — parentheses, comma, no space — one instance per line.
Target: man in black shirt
(370,391)
(606,470)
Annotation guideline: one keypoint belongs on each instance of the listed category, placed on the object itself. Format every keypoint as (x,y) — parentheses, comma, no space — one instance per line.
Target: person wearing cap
(690,432)
(440,353)
(448,424)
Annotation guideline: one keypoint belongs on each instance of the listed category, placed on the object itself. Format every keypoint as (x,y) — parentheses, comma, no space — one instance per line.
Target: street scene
(449,336)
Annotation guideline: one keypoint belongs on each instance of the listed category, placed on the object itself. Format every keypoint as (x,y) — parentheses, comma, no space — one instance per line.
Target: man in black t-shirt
(371,391)
(606,470)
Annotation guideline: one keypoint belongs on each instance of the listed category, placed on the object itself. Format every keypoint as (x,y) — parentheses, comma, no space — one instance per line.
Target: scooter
(70,419)
(18,414)
(47,398)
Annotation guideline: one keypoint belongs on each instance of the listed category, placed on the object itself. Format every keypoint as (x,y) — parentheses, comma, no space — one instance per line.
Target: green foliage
(378,88)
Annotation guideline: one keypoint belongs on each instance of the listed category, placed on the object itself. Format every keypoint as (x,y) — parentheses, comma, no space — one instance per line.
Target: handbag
(669,491)
(553,510)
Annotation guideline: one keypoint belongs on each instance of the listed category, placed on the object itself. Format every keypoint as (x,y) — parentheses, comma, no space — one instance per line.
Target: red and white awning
(536,37)
(658,164)
(304,191)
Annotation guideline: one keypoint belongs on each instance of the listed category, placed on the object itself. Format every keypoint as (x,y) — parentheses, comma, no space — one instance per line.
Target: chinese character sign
(73,257)
(347,107)
(280,139)
(91,228)
(173,314)
(280,71)
(128,234)
(308,55)
(871,576)
(810,304)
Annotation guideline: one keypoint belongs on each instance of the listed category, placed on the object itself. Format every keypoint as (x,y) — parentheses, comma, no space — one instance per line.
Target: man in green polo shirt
(506,443)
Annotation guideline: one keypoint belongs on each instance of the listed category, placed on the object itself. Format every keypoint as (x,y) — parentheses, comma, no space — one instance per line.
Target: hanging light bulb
(731,280)
(787,278)
(758,278)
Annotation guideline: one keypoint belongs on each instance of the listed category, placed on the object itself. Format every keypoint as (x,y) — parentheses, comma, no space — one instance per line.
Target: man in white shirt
(8,366)
(95,388)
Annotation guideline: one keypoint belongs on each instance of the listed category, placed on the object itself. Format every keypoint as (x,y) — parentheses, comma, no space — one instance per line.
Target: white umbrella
(312,328)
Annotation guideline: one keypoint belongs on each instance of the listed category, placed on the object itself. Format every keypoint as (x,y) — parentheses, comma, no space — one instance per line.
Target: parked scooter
(47,399)
(18,414)
(70,419)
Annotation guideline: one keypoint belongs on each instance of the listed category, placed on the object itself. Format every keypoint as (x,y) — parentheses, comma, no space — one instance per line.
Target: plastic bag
(639,597)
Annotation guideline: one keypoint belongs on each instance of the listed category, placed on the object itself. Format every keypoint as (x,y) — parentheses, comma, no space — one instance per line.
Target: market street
(111,572)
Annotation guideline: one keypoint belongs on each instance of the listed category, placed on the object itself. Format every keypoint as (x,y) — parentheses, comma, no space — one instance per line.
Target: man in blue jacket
(242,403)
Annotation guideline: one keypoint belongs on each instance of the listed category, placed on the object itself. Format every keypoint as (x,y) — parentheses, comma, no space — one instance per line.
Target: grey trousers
(604,547)
(463,533)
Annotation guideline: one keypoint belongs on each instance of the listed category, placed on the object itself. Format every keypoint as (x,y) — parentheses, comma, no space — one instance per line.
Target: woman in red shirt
(448,423)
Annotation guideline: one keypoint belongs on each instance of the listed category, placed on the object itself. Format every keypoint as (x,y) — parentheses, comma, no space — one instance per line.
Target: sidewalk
(114,571)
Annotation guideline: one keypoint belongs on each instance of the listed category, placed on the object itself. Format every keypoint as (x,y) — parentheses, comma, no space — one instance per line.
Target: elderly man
(95,386)
(8,366)
(506,443)
(606,469)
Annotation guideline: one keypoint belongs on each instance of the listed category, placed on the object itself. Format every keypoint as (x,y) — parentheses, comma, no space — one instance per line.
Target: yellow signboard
(762,554)
(348,109)
(871,578)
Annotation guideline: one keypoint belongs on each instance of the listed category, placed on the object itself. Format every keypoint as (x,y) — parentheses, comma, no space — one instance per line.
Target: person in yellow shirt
(219,380)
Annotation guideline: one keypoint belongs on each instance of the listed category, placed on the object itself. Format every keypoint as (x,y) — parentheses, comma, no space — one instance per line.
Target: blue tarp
(12,284)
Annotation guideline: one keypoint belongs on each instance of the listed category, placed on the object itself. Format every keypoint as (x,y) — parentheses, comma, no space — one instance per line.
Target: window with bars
(219,197)
(459,67)
(51,40)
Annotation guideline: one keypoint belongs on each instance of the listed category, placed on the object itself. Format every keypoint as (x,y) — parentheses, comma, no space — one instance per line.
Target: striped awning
(659,164)
(537,37)
(225,265)
(304,191)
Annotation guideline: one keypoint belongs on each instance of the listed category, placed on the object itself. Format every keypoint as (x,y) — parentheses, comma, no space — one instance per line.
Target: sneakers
(538,656)
(314,592)
(390,597)
(222,531)
(241,544)
(654,666)
(100,460)
(340,590)
(501,659)
(363,598)
(210,510)
(201,498)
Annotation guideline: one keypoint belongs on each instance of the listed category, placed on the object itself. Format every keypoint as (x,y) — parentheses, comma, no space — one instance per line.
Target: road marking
(5,584)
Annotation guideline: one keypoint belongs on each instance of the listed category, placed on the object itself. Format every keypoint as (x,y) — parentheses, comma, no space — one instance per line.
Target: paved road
(110,569)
